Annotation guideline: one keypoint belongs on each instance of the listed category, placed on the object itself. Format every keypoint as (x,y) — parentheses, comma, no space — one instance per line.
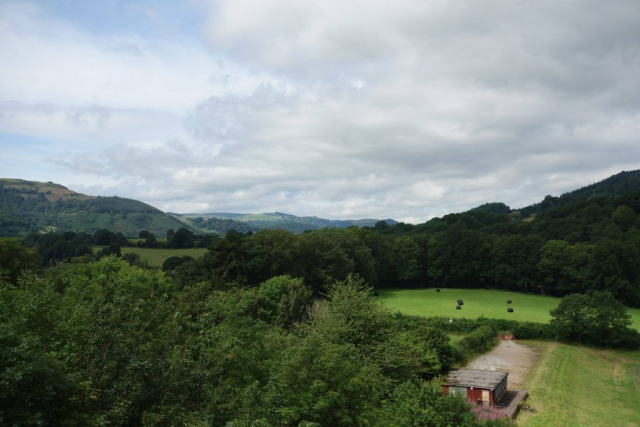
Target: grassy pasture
(582,386)
(477,302)
(156,256)
(139,239)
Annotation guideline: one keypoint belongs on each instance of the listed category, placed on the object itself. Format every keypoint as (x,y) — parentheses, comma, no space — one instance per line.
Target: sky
(404,109)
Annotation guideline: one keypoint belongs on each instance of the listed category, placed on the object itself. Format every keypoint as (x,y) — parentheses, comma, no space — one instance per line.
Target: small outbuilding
(477,386)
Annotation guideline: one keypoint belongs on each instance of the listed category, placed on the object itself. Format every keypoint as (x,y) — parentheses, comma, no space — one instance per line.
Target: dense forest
(273,328)
(616,185)
(106,343)
(590,245)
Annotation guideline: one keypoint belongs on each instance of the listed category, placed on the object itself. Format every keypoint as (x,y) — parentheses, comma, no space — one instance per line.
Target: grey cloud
(407,110)
(95,117)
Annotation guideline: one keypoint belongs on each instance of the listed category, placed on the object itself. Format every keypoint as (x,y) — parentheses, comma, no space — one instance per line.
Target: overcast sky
(404,109)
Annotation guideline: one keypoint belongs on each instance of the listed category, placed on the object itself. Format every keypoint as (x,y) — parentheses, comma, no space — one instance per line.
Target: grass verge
(582,386)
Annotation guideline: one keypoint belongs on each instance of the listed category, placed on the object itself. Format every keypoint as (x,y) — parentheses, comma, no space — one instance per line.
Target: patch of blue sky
(24,156)
(21,140)
(148,18)
(19,147)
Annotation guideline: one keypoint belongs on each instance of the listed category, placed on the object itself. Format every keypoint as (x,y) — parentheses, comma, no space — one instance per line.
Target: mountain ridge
(34,206)
(615,185)
(275,220)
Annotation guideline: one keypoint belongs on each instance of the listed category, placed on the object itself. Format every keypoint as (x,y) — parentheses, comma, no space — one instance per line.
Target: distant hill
(206,223)
(223,221)
(618,184)
(495,208)
(31,206)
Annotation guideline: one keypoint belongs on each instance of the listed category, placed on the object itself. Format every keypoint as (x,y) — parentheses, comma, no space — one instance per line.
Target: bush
(595,318)
(521,330)
(533,331)
(174,262)
(478,341)
(629,339)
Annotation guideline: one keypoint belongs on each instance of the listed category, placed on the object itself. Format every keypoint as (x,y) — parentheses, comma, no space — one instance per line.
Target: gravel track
(508,356)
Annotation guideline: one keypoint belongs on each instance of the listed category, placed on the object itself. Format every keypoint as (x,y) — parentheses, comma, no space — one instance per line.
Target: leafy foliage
(106,343)
(273,328)
(586,246)
(16,258)
(595,318)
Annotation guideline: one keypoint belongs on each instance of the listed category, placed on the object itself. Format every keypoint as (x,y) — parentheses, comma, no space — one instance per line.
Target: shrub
(480,340)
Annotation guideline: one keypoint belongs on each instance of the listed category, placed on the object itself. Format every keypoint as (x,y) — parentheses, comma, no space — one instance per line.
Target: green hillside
(31,206)
(214,224)
(615,185)
(224,221)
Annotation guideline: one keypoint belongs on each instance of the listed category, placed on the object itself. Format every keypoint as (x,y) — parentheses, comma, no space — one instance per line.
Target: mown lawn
(156,256)
(581,386)
(477,302)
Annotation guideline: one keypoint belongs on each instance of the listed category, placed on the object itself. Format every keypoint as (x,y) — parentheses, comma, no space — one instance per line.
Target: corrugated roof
(474,378)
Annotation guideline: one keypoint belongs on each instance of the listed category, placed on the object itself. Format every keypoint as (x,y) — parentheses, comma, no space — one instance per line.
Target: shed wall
(499,391)
(474,395)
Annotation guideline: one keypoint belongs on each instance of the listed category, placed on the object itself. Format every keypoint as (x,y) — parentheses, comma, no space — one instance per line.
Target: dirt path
(508,356)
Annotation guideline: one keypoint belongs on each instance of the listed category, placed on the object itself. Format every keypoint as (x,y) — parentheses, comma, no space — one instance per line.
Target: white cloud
(405,109)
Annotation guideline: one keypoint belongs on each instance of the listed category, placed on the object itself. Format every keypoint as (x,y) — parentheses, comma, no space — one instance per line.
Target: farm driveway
(508,356)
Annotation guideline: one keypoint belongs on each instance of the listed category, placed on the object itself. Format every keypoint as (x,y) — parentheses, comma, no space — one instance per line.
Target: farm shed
(477,386)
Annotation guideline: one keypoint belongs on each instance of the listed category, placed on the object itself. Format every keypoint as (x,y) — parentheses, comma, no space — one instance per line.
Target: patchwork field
(477,302)
(155,257)
(581,386)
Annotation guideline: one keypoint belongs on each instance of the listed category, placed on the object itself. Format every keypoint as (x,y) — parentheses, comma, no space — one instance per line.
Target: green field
(139,239)
(155,257)
(477,302)
(582,386)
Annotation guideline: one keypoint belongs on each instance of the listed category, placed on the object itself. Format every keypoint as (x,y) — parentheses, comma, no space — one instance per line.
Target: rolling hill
(615,185)
(31,206)
(222,221)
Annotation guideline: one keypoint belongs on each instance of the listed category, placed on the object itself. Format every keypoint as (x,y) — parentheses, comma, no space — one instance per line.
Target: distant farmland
(477,302)
(156,256)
